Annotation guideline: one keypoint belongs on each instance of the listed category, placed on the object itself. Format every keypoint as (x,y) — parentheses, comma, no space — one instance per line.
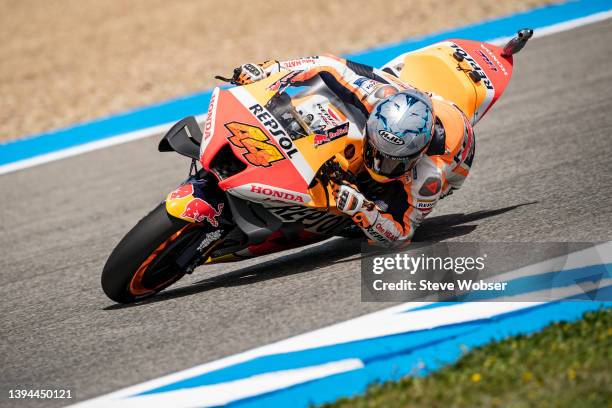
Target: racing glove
(378,227)
(348,199)
(248,73)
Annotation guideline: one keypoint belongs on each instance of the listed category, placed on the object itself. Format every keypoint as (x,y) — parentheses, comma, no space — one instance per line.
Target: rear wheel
(143,263)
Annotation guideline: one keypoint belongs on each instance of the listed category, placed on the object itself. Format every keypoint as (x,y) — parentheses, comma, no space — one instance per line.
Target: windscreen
(282,108)
(290,108)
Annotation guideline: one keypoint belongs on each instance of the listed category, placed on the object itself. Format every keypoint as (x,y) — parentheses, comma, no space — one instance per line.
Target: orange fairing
(277,167)
(444,69)
(237,126)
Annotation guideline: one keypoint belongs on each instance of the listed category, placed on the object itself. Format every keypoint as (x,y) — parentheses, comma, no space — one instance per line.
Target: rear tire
(141,264)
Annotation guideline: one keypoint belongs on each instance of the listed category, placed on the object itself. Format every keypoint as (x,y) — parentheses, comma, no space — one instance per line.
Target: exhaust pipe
(517,43)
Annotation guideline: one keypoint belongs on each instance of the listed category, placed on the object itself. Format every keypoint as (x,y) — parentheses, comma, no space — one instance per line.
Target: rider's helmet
(398,133)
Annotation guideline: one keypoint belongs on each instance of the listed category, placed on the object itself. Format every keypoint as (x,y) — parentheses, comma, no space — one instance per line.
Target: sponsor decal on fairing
(331,134)
(182,191)
(494,57)
(487,60)
(209,123)
(264,192)
(327,115)
(485,80)
(200,210)
(259,151)
(316,221)
(267,120)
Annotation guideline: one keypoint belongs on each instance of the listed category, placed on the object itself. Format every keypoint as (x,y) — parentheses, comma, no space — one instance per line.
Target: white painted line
(88,147)
(224,393)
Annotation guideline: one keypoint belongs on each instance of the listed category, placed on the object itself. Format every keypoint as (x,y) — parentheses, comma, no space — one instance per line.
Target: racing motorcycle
(264,162)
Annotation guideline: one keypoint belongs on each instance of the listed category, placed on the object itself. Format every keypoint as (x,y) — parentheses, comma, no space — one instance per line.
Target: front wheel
(143,263)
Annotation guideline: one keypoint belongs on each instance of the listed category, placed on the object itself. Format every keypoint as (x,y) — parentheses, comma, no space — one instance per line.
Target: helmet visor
(388,166)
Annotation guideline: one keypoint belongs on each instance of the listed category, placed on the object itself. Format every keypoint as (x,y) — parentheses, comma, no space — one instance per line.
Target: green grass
(564,365)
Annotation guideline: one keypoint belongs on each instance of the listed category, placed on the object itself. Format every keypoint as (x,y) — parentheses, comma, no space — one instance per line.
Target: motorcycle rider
(418,147)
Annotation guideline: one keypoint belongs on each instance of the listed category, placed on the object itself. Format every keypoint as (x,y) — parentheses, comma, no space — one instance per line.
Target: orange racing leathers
(400,205)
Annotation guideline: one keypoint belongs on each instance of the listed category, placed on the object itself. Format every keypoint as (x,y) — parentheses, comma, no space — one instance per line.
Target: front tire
(142,264)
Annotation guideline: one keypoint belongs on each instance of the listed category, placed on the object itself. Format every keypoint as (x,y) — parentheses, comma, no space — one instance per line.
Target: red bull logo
(320,139)
(331,134)
(182,191)
(198,210)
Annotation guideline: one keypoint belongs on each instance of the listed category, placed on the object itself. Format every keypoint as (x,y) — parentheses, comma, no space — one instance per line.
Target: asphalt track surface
(542,172)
